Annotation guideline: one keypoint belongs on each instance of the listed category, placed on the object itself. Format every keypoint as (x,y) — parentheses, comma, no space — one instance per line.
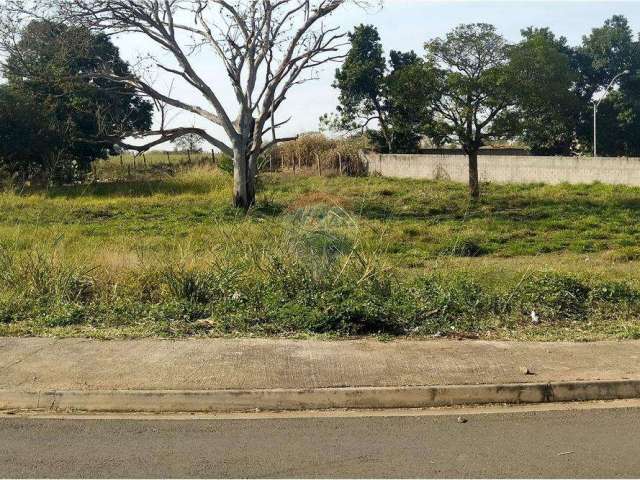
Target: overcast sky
(406,25)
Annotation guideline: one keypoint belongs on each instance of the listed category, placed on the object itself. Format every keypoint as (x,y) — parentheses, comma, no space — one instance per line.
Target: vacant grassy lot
(163,253)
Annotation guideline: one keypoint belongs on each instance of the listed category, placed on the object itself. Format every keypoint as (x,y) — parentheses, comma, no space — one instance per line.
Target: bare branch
(266,47)
(273,143)
(170,135)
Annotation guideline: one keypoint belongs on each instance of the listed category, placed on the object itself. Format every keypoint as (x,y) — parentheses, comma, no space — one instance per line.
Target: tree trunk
(474,184)
(241,197)
(245,166)
(252,178)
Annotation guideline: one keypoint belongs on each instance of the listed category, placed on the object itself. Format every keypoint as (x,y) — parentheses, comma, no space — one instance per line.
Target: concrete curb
(157,401)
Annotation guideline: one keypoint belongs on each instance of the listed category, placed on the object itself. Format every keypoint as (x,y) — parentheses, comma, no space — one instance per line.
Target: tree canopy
(473,88)
(191,143)
(606,52)
(548,108)
(392,97)
(65,117)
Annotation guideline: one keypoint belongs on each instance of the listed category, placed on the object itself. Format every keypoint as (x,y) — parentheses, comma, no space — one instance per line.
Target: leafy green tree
(361,81)
(475,96)
(52,67)
(488,90)
(606,52)
(409,90)
(394,98)
(27,143)
(543,73)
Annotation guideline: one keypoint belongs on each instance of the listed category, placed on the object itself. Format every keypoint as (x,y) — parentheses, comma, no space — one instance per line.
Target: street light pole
(596,104)
(595,129)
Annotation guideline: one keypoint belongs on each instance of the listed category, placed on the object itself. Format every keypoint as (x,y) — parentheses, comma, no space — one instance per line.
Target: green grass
(153,251)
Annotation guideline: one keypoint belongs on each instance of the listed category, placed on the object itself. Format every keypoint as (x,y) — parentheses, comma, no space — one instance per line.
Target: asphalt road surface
(599,442)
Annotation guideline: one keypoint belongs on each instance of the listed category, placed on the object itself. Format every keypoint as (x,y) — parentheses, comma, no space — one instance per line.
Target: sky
(406,25)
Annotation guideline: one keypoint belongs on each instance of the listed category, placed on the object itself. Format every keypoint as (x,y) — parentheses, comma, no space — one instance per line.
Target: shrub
(445,305)
(64,314)
(465,248)
(225,163)
(553,296)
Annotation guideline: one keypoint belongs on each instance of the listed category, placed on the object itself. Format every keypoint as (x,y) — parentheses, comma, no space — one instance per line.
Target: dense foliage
(605,53)
(544,77)
(370,93)
(58,114)
(473,87)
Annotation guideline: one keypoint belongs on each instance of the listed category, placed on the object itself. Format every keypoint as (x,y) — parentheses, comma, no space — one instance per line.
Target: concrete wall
(510,169)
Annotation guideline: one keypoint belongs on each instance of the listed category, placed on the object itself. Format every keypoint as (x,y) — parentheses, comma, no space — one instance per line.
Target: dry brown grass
(313,199)
(117,260)
(321,154)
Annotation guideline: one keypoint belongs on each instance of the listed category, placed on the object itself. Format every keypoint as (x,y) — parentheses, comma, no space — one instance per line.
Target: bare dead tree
(265,47)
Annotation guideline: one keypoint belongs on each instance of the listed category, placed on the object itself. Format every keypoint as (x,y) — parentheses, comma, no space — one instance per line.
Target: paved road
(583,443)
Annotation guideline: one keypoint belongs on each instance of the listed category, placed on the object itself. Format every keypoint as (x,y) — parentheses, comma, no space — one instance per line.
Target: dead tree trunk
(265,47)
(246,152)
(241,197)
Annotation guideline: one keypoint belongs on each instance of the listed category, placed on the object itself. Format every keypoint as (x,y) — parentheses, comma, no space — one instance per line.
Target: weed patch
(335,256)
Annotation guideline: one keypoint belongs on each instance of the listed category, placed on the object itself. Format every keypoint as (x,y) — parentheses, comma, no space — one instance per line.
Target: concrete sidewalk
(85,366)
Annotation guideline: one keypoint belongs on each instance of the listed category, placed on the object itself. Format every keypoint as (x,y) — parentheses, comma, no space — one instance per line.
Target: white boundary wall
(510,169)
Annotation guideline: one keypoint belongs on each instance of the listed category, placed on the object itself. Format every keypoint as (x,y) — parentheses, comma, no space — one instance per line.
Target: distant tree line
(472,87)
